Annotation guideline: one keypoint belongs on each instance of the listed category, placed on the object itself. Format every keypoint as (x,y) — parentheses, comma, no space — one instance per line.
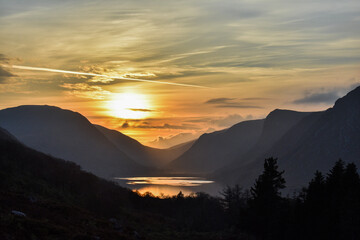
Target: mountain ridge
(67,135)
(314,143)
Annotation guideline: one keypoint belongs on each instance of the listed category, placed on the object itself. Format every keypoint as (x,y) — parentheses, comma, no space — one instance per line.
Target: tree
(315,191)
(234,202)
(267,187)
(266,202)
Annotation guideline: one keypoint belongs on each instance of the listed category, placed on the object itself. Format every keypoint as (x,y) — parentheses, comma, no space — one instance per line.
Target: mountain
(70,136)
(144,155)
(5,135)
(43,197)
(276,124)
(214,150)
(314,143)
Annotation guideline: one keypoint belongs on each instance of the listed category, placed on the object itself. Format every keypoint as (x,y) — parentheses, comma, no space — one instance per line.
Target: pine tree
(267,187)
(315,191)
(233,201)
(266,202)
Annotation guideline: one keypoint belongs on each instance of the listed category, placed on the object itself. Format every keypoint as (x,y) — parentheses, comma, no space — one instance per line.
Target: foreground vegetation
(59,201)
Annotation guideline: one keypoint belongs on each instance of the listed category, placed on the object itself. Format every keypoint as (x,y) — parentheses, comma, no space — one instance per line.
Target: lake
(164,186)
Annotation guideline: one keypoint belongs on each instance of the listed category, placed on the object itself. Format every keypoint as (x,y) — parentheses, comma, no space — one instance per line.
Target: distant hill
(68,135)
(313,143)
(215,150)
(144,155)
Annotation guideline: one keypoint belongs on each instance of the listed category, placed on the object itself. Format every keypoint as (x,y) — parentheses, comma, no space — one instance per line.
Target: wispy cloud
(256,55)
(325,96)
(85,91)
(315,98)
(219,100)
(4,75)
(229,103)
(141,110)
(165,126)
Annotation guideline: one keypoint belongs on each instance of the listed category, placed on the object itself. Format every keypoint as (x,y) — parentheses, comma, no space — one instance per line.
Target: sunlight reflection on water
(169,186)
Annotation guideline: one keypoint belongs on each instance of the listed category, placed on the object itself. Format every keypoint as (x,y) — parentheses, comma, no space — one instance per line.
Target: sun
(130,106)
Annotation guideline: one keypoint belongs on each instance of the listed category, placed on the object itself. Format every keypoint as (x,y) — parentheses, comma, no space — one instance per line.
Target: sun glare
(129,106)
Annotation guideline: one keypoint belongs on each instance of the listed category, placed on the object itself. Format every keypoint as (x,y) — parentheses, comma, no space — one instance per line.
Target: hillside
(68,135)
(44,198)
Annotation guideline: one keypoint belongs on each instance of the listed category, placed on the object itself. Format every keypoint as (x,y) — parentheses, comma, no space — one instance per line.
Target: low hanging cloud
(228,120)
(229,103)
(172,140)
(315,98)
(323,96)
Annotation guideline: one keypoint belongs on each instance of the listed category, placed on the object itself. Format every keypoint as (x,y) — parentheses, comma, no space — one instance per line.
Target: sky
(249,57)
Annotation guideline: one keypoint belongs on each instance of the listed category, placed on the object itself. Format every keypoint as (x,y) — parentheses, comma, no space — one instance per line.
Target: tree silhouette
(234,201)
(267,187)
(266,202)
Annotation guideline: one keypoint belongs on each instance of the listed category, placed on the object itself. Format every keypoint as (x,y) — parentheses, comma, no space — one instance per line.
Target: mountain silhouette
(70,136)
(215,150)
(314,143)
(144,155)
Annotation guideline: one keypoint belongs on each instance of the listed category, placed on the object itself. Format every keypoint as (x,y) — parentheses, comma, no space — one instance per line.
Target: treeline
(328,208)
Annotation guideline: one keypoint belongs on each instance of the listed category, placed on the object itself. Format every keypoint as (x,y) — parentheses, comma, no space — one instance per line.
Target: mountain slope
(144,155)
(5,135)
(276,124)
(67,135)
(213,150)
(314,143)
(46,198)
(56,199)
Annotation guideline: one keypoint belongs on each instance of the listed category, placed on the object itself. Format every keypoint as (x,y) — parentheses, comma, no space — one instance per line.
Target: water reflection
(169,186)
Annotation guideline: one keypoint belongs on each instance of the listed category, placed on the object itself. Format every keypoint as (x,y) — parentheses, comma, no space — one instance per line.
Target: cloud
(85,91)
(228,121)
(219,100)
(146,125)
(318,97)
(229,103)
(4,75)
(172,140)
(3,58)
(140,110)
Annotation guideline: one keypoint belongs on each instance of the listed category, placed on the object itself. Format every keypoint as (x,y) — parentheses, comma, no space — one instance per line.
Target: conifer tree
(266,202)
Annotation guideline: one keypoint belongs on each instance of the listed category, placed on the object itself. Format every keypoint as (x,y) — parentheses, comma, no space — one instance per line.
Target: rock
(18,213)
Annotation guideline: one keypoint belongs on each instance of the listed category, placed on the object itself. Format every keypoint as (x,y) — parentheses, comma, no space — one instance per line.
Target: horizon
(250,58)
(170,145)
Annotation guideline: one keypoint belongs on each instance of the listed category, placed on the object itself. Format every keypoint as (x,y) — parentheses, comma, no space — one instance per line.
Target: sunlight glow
(130,105)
